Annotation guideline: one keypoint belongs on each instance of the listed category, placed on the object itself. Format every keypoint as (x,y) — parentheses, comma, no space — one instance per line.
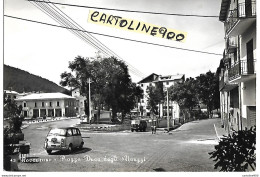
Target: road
(184,149)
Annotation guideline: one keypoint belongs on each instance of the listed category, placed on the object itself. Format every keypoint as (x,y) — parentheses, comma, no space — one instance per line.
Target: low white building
(11,94)
(47,104)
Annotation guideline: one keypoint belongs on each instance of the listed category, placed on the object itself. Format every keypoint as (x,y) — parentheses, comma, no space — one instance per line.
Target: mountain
(23,81)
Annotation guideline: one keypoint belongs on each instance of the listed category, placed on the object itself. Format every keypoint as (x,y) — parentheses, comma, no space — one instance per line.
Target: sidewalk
(48,119)
(220,132)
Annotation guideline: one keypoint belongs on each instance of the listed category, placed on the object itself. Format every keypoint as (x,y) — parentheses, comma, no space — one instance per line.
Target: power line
(190,50)
(132,11)
(96,41)
(56,14)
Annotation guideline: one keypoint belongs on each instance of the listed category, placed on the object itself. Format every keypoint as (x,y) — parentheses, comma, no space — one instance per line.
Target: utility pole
(168,120)
(89,99)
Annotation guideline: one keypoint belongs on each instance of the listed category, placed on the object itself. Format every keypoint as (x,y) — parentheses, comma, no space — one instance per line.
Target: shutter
(251,115)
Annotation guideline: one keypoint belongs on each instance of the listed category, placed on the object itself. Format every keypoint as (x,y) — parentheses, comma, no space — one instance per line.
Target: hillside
(20,81)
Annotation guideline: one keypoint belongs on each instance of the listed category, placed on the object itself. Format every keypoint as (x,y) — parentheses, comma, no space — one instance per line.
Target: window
(14,97)
(142,85)
(69,132)
(50,104)
(42,104)
(35,104)
(58,103)
(78,132)
(24,104)
(167,83)
(74,131)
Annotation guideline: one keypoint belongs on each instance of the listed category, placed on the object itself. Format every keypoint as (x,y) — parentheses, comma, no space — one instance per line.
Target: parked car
(138,125)
(65,139)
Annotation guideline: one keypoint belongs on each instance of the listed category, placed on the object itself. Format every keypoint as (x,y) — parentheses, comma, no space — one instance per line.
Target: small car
(65,139)
(138,125)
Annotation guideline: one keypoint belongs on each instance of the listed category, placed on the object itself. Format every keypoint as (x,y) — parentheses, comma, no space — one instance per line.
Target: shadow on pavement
(159,169)
(75,151)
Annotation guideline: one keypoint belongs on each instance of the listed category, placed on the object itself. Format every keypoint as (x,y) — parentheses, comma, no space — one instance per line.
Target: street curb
(46,120)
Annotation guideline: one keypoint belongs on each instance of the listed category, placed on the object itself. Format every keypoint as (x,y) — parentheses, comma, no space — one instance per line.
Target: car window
(78,132)
(69,132)
(59,132)
(74,132)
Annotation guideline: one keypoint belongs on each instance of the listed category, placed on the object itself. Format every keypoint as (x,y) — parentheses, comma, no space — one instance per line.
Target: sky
(46,51)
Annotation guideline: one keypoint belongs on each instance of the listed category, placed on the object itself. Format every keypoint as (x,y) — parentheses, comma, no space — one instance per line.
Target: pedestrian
(153,129)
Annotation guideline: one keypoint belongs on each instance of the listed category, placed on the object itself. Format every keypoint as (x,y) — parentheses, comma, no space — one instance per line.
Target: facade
(167,81)
(47,105)
(237,71)
(11,94)
(80,101)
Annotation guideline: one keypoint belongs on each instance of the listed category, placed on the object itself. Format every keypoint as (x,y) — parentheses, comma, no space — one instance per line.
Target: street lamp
(89,81)
(168,120)
(167,100)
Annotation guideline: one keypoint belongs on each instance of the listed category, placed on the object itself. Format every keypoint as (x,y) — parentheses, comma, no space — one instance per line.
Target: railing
(231,42)
(244,10)
(247,9)
(241,68)
(221,83)
(224,80)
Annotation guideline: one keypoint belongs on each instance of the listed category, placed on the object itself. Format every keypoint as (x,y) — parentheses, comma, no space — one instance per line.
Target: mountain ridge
(22,81)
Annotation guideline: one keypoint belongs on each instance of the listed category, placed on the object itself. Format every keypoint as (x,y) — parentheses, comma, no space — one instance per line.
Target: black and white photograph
(146,86)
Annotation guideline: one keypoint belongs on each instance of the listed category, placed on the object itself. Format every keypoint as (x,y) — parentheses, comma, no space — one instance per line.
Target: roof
(44,96)
(171,77)
(10,92)
(149,78)
(223,10)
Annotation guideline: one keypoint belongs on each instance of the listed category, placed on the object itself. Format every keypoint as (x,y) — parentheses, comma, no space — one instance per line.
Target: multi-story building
(167,81)
(47,104)
(237,83)
(80,101)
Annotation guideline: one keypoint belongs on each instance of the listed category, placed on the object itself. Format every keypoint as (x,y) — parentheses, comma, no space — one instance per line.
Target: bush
(236,152)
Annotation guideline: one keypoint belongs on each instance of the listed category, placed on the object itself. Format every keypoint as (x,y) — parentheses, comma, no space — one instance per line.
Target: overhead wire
(106,48)
(132,11)
(191,50)
(58,19)
(54,14)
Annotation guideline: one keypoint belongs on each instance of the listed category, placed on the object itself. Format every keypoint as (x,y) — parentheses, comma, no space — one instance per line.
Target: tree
(184,94)
(208,91)
(119,92)
(155,96)
(10,107)
(111,83)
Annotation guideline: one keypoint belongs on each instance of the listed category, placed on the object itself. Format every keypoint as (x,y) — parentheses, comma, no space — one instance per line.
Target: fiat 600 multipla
(65,139)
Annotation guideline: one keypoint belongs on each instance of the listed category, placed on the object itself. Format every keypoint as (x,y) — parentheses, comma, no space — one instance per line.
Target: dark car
(138,125)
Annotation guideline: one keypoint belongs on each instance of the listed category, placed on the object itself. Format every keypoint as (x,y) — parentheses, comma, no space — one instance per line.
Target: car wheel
(49,151)
(132,130)
(81,145)
(70,148)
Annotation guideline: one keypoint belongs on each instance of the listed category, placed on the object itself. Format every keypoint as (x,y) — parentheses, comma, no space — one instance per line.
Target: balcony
(224,84)
(231,45)
(240,18)
(242,71)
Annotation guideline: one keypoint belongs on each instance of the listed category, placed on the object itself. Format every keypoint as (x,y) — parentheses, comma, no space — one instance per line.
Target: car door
(76,137)
(69,137)
(79,136)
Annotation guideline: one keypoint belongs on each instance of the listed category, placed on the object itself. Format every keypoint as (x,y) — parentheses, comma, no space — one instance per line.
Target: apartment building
(167,81)
(237,73)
